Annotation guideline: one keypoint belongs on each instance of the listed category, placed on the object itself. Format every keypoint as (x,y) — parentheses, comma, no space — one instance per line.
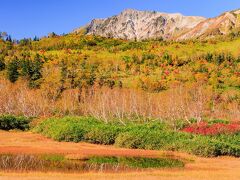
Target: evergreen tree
(12,71)
(26,68)
(37,67)
(64,73)
(35,72)
(9,38)
(35,38)
(2,63)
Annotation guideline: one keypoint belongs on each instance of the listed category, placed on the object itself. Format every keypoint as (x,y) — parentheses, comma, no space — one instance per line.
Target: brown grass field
(221,168)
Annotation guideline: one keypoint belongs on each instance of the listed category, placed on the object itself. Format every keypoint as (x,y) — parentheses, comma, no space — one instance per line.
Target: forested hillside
(109,78)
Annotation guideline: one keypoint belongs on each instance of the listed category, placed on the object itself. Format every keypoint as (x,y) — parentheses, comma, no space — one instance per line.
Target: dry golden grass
(177,103)
(29,143)
(221,168)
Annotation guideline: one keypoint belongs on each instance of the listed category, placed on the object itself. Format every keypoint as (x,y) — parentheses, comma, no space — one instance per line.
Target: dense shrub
(89,129)
(147,139)
(215,121)
(66,129)
(151,135)
(198,145)
(205,128)
(150,139)
(202,146)
(9,122)
(129,140)
(102,134)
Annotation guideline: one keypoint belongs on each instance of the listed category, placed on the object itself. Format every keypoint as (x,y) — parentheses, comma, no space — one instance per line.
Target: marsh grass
(58,163)
(138,162)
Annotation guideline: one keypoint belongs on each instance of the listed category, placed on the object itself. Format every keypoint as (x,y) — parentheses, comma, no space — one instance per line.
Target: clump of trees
(25,67)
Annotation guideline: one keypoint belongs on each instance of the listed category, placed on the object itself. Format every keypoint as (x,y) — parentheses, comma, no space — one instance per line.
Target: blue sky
(27,18)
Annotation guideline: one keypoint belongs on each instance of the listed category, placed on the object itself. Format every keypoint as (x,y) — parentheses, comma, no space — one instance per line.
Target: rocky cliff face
(139,25)
(221,25)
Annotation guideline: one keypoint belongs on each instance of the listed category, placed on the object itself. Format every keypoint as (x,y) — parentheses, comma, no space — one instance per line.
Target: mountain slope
(139,25)
(132,24)
(221,25)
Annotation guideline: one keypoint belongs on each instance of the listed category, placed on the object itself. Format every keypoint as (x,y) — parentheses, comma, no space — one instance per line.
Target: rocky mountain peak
(129,11)
(133,24)
(138,25)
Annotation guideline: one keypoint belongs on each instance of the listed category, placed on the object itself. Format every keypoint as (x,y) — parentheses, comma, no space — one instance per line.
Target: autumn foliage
(204,128)
(111,79)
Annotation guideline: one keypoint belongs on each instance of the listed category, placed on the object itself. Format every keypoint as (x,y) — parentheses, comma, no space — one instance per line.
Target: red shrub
(204,128)
(166,72)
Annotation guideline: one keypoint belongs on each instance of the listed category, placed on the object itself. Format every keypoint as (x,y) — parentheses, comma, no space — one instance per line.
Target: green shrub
(129,140)
(200,146)
(176,141)
(66,129)
(69,132)
(151,135)
(230,138)
(9,122)
(102,134)
(147,139)
(215,121)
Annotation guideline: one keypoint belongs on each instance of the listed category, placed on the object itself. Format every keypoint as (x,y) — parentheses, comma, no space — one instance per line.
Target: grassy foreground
(153,135)
(18,142)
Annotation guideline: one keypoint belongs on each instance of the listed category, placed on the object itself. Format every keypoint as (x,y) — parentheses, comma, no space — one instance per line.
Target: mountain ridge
(133,24)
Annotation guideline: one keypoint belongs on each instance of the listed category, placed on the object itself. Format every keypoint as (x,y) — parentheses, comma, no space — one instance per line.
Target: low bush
(102,134)
(9,122)
(200,145)
(66,129)
(213,128)
(215,121)
(151,135)
(89,129)
(174,141)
